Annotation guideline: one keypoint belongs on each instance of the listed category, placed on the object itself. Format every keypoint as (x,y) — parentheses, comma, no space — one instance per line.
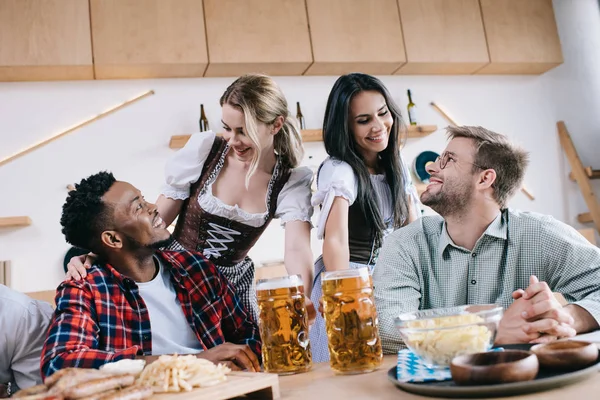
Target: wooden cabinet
(111,39)
(355,36)
(522,36)
(268,36)
(45,40)
(148,38)
(442,36)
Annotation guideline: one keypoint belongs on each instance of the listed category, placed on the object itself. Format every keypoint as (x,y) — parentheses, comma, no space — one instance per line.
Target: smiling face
(451,190)
(236,134)
(136,223)
(370,123)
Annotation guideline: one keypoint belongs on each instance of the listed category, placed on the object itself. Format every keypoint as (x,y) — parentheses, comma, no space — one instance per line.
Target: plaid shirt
(420,268)
(102,318)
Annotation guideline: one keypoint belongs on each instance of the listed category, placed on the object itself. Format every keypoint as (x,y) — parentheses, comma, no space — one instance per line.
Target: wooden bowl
(494,367)
(569,355)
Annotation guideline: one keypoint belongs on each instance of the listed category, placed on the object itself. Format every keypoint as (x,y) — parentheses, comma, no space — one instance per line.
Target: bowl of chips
(438,335)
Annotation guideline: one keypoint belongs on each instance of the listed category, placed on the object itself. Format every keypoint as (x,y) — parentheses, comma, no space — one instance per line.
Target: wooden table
(321,383)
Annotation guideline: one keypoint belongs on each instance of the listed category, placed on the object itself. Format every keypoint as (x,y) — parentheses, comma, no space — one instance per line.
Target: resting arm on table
(73,335)
(574,266)
(573,270)
(397,290)
(242,349)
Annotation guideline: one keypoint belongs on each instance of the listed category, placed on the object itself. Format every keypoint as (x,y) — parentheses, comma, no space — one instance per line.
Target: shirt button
(146,337)
(473,254)
(473,281)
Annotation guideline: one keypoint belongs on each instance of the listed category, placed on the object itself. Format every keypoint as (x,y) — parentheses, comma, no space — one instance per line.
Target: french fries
(182,373)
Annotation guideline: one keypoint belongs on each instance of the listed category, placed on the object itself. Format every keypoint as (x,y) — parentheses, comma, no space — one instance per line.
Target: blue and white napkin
(412,369)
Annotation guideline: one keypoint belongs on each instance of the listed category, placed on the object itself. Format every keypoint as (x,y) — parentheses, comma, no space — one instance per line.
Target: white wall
(133,143)
(574,92)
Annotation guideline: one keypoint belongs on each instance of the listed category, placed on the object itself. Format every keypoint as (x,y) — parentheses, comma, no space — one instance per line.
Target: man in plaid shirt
(137,301)
(478,251)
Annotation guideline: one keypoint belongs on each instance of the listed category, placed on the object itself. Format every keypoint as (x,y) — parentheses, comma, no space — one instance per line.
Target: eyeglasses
(443,160)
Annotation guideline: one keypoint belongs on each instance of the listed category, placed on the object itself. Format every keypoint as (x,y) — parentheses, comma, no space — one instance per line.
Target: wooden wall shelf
(314,135)
(12,222)
(418,131)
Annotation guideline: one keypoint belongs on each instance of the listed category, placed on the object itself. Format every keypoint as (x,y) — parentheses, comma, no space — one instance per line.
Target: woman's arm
(168,208)
(336,252)
(298,257)
(413,209)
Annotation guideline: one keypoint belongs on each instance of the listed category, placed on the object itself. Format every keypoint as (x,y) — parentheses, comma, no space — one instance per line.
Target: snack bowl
(568,355)
(494,367)
(438,335)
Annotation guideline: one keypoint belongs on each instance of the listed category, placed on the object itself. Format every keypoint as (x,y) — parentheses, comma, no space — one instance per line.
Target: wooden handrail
(63,133)
(451,121)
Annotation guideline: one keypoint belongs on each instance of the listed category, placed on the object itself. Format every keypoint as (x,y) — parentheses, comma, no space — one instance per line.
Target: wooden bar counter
(322,383)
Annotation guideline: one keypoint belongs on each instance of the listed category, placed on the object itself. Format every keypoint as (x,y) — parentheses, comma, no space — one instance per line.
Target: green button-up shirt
(421,268)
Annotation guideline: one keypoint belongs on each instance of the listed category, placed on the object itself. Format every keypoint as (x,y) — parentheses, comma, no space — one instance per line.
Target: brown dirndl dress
(223,241)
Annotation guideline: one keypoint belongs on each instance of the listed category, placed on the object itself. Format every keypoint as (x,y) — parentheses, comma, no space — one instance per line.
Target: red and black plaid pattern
(102,318)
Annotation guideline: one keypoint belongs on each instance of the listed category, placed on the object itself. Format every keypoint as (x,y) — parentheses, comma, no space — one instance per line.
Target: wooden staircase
(583,176)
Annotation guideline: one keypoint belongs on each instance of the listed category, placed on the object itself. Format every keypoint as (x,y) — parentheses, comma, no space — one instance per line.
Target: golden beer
(351,321)
(283,324)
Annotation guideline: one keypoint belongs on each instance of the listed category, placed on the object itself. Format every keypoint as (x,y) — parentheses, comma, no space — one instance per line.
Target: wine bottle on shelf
(412,108)
(299,116)
(203,120)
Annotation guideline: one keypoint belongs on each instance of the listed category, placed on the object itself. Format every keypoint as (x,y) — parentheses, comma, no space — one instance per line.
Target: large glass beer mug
(283,323)
(351,321)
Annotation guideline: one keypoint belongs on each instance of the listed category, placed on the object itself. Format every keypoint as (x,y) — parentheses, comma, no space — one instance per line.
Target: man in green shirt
(477,251)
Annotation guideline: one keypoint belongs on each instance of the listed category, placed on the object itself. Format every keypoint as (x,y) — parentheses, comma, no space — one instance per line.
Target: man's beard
(453,201)
(135,246)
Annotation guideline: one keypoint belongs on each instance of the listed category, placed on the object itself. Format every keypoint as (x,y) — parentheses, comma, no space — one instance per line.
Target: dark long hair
(340,144)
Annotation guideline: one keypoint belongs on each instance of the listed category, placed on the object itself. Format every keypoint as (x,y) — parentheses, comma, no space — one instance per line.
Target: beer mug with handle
(283,324)
(351,321)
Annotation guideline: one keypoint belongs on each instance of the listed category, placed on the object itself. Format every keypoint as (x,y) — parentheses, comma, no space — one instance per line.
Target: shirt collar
(498,229)
(173,265)
(122,280)
(126,282)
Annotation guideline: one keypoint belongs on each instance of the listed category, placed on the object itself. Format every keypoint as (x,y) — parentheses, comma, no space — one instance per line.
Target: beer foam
(362,272)
(279,283)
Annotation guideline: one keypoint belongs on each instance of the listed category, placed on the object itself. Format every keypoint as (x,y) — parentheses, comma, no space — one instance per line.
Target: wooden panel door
(257,36)
(355,36)
(443,36)
(148,38)
(522,36)
(45,40)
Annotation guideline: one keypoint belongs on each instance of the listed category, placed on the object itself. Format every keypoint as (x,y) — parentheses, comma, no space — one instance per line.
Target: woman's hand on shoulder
(78,266)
